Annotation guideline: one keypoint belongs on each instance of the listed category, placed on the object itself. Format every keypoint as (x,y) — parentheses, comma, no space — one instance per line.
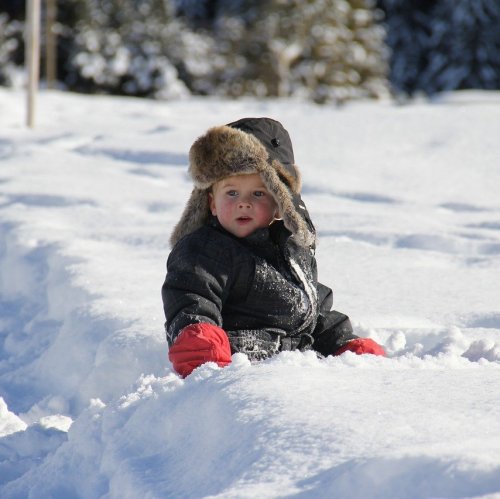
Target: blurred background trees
(439,45)
(11,43)
(323,50)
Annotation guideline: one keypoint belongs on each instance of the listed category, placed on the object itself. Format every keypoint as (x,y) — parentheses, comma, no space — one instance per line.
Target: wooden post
(32,56)
(50,43)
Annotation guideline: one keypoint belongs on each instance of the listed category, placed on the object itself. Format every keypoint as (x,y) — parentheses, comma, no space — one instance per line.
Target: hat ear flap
(292,181)
(293,221)
(195,215)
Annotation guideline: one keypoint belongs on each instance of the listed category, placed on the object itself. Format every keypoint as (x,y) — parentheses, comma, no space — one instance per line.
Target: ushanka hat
(249,145)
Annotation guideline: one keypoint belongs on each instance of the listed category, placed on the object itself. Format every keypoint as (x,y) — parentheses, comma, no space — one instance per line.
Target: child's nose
(245,201)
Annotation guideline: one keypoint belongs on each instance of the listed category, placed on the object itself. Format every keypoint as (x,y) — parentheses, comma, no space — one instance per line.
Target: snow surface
(405,200)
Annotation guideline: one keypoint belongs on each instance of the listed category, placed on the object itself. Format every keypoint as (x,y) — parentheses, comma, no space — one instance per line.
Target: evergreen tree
(197,13)
(345,55)
(105,56)
(127,47)
(326,50)
(408,29)
(464,46)
(11,41)
(15,9)
(11,49)
(443,45)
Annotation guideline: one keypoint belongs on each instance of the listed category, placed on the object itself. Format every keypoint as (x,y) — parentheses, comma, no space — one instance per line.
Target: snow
(405,200)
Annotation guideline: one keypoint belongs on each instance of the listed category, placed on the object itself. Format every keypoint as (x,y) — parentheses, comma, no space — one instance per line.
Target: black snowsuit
(261,289)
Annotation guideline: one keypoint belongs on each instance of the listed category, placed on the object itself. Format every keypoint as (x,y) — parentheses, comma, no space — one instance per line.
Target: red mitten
(197,344)
(360,346)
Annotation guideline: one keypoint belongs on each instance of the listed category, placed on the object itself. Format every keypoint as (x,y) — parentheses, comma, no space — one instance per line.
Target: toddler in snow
(241,276)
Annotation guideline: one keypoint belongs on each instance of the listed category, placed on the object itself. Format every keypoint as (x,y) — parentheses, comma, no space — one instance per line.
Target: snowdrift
(406,205)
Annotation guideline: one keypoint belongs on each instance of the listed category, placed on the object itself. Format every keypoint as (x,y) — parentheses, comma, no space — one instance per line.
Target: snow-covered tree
(443,45)
(408,31)
(198,13)
(129,47)
(11,49)
(464,46)
(345,55)
(326,50)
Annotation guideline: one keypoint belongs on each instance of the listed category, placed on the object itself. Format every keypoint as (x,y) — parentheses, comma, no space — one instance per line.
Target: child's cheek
(227,206)
(228,203)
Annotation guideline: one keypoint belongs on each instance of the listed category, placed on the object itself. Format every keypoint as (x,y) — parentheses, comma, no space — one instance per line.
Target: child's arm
(334,335)
(194,285)
(199,277)
(197,344)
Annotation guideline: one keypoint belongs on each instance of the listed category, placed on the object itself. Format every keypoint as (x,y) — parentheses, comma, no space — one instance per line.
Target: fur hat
(250,145)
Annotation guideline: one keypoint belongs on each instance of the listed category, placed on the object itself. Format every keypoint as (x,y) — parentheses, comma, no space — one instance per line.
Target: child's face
(242,204)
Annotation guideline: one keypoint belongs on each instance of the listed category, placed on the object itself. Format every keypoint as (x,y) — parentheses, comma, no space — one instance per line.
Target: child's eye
(232,193)
(259,194)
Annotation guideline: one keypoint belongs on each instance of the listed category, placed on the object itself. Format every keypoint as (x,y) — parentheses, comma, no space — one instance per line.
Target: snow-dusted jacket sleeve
(196,284)
(333,329)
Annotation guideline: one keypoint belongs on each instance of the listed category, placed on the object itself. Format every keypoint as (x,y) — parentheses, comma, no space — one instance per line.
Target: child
(242,276)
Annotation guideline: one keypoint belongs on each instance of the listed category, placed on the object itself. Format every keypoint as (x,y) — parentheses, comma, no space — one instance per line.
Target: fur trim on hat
(196,214)
(224,151)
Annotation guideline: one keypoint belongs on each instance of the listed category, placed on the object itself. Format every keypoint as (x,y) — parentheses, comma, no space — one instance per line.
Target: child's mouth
(243,220)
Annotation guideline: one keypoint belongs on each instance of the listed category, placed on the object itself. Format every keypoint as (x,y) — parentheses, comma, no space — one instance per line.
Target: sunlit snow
(406,203)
